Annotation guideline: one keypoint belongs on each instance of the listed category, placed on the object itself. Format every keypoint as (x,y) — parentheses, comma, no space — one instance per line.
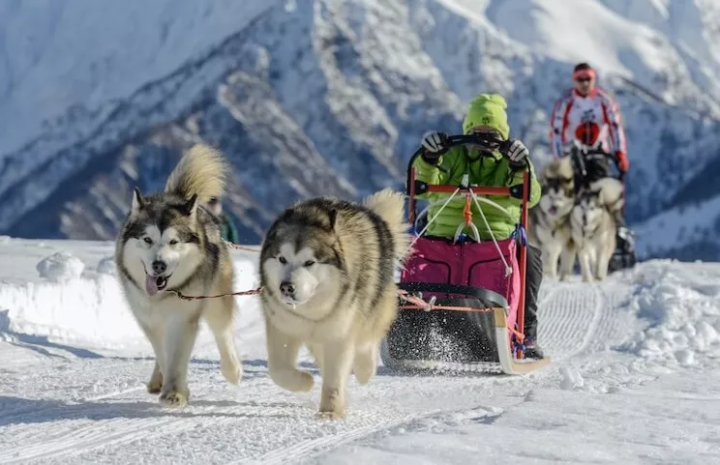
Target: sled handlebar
(481,140)
(415,187)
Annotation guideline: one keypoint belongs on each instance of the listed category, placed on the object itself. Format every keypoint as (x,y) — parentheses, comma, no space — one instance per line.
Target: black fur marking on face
(134,230)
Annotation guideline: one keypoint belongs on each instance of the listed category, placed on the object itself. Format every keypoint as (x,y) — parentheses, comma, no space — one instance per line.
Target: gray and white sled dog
(594,229)
(327,269)
(170,242)
(550,220)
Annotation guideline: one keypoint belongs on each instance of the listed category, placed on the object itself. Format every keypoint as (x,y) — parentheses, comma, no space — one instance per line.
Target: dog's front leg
(180,337)
(550,260)
(282,356)
(607,249)
(585,265)
(154,335)
(219,316)
(337,364)
(567,261)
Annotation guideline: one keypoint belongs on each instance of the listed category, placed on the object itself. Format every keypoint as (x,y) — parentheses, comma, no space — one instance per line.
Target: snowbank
(680,303)
(70,308)
(60,267)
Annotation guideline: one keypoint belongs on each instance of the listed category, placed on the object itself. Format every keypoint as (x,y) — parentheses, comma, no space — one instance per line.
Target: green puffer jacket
(489,171)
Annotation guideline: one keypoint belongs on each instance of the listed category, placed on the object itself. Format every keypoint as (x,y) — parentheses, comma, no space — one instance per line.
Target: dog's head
(557,200)
(589,207)
(161,241)
(558,188)
(301,259)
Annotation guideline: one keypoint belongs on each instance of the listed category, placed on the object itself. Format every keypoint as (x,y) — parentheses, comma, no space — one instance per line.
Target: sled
(581,154)
(462,303)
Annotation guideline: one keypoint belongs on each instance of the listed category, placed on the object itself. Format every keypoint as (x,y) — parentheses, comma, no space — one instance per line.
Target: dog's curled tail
(390,206)
(201,171)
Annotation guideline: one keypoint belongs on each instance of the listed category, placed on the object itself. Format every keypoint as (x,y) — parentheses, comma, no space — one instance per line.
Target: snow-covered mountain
(311,97)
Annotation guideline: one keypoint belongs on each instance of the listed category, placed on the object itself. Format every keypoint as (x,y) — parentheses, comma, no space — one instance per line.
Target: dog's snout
(159,267)
(287,288)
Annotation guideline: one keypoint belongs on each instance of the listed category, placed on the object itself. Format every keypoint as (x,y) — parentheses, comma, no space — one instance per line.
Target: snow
(60,266)
(52,58)
(676,226)
(632,380)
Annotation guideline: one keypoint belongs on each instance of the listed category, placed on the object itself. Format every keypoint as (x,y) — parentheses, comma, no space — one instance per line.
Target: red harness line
(416,303)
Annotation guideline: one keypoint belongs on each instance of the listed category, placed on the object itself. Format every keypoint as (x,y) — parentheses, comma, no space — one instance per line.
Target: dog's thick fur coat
(550,220)
(170,242)
(327,269)
(594,229)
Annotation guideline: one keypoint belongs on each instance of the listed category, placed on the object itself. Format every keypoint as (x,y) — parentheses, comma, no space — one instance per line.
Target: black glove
(434,144)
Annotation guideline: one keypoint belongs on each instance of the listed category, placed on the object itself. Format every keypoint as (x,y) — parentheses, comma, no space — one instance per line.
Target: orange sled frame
(484,309)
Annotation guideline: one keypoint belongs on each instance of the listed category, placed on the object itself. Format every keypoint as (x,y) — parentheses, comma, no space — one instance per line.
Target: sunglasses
(583,79)
(488,139)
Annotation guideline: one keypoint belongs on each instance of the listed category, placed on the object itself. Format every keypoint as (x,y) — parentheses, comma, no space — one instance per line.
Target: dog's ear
(332,214)
(138,203)
(601,197)
(287,214)
(190,207)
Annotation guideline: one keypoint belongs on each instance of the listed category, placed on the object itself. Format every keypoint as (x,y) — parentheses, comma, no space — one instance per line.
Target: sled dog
(327,270)
(550,219)
(593,226)
(171,242)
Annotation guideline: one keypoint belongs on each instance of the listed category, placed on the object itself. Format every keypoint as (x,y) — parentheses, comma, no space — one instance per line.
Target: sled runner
(463,307)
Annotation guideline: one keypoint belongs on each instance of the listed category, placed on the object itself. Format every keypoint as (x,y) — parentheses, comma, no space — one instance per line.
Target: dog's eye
(282,260)
(147,240)
(309,263)
(173,242)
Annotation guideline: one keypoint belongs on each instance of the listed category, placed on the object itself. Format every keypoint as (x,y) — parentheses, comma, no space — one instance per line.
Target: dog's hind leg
(180,337)
(282,356)
(337,359)
(317,352)
(156,379)
(219,316)
(607,249)
(365,363)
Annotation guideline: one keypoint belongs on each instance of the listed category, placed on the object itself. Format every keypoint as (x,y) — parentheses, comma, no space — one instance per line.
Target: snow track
(259,422)
(65,402)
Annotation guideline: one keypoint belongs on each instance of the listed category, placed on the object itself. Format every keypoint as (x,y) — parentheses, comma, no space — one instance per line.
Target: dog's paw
(232,371)
(331,415)
(332,404)
(293,380)
(174,399)
(154,386)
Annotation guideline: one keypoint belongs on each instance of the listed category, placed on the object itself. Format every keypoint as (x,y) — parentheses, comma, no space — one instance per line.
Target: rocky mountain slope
(330,97)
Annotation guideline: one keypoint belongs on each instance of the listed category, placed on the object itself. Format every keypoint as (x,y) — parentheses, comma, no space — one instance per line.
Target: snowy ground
(633,381)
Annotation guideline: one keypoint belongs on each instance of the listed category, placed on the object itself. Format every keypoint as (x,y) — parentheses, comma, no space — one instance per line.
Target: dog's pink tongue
(151,285)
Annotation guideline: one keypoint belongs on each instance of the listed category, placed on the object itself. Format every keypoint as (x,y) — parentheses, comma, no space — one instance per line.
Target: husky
(171,242)
(594,229)
(327,271)
(550,219)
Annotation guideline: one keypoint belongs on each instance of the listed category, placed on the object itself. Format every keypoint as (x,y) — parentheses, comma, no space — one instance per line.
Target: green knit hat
(487,110)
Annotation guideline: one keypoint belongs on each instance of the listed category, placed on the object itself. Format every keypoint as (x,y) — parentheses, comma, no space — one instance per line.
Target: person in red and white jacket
(587,102)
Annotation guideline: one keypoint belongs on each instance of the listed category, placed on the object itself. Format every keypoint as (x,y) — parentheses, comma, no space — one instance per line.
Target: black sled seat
(465,335)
